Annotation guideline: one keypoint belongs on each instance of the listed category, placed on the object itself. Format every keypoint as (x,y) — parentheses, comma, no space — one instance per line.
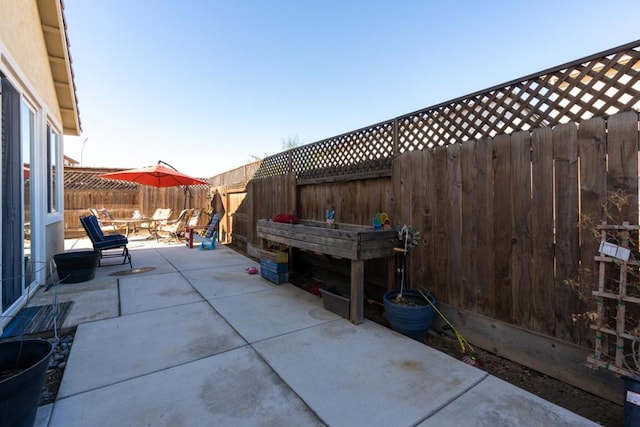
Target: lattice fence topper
(238,177)
(599,85)
(86,179)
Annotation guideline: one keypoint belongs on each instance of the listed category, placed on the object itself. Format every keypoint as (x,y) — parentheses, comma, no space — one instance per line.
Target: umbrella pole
(186,190)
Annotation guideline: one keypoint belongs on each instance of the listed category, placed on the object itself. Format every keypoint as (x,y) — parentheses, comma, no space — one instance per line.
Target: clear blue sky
(206,85)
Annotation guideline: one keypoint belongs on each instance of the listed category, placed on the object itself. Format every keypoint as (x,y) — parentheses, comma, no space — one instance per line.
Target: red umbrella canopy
(156,176)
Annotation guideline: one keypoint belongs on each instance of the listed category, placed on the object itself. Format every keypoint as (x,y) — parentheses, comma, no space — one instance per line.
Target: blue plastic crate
(276,267)
(277,278)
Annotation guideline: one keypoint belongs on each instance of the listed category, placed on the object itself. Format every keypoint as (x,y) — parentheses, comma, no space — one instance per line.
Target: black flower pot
(74,267)
(25,362)
(412,321)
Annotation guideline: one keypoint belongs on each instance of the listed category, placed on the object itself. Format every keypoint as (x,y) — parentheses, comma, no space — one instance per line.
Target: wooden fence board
(441,237)
(406,188)
(355,202)
(542,273)
(503,208)
(484,218)
(622,161)
(469,243)
(565,150)
(416,203)
(521,255)
(252,216)
(404,198)
(592,136)
(426,250)
(395,198)
(453,228)
(235,219)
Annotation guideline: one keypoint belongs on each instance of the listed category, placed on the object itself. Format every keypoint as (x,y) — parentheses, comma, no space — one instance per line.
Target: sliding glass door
(13,261)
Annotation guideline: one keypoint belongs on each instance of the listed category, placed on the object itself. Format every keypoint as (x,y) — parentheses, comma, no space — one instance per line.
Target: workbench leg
(391,273)
(357,292)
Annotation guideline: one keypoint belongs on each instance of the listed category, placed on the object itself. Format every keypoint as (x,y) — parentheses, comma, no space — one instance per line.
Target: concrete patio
(198,341)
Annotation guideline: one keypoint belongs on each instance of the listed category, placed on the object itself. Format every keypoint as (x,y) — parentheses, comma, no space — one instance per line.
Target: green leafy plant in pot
(407,310)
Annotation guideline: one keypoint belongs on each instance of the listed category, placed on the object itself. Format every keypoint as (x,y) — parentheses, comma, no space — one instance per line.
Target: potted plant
(23,367)
(407,310)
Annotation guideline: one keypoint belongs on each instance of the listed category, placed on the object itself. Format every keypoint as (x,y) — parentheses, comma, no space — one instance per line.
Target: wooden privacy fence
(500,221)
(500,218)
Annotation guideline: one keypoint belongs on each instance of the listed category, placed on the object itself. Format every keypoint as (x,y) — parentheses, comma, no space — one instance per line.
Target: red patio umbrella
(156,176)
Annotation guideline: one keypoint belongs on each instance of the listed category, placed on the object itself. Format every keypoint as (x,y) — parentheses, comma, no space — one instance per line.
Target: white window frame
(54,161)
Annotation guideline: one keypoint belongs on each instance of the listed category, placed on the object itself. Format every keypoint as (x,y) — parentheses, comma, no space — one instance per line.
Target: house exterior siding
(24,47)
(35,61)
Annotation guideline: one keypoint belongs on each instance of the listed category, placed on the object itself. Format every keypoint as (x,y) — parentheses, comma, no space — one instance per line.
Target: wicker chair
(175,228)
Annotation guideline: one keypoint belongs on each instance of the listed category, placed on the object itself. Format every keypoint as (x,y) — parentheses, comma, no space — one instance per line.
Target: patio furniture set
(158,224)
(100,221)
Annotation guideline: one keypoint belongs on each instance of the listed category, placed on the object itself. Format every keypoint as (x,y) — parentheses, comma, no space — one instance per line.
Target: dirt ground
(586,404)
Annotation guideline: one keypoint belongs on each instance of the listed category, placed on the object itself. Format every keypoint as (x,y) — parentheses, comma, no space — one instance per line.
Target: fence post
(395,153)
(290,161)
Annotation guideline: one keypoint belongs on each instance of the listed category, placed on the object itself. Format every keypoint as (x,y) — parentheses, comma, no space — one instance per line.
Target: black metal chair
(103,242)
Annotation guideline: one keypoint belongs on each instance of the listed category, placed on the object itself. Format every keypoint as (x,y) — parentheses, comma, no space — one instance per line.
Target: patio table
(131,223)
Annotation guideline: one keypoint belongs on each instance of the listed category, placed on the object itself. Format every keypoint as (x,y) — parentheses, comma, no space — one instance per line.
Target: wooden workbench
(354,242)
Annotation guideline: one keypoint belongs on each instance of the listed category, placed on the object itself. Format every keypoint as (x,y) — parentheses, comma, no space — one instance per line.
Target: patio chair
(102,243)
(194,219)
(105,220)
(208,241)
(175,228)
(160,217)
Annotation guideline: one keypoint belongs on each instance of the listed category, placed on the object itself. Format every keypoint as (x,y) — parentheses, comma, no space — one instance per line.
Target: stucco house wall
(35,61)
(21,34)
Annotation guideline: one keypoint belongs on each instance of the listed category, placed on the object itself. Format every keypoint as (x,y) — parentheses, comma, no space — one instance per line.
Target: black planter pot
(74,267)
(20,393)
(413,322)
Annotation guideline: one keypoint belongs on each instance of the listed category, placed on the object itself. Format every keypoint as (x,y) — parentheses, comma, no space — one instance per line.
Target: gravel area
(61,350)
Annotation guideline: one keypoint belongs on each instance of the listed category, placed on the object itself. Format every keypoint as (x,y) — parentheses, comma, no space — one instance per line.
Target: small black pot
(74,267)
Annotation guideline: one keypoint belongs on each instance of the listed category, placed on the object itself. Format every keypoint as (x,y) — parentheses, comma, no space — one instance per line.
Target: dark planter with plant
(408,311)
(412,316)
(23,367)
